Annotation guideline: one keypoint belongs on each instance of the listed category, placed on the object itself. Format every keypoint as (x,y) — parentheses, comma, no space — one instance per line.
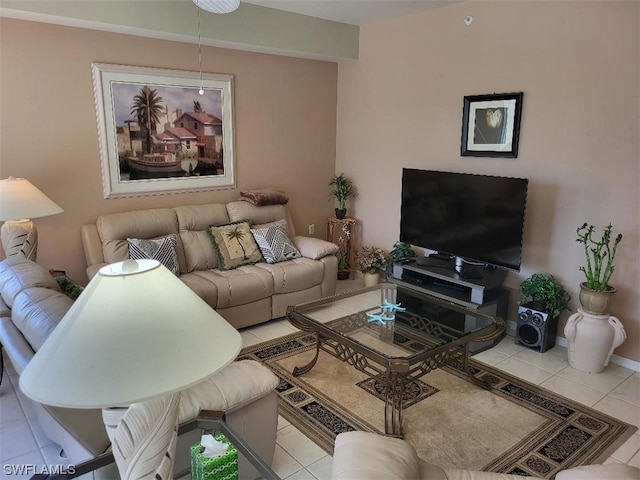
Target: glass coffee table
(394,334)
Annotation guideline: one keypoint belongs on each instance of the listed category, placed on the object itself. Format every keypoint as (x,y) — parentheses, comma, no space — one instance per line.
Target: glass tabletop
(395,321)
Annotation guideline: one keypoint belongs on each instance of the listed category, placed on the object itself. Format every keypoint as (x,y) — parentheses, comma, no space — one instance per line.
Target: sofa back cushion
(115,228)
(193,221)
(17,273)
(239,211)
(37,311)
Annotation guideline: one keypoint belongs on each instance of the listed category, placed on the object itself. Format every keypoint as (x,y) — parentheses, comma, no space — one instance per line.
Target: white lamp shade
(218,6)
(20,199)
(135,332)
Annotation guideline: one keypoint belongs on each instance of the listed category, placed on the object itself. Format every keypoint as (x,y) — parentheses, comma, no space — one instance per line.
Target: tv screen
(479,218)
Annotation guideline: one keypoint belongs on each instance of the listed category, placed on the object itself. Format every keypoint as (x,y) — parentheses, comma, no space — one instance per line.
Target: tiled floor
(616,392)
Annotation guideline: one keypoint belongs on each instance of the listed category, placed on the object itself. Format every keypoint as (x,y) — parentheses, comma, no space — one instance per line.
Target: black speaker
(535,329)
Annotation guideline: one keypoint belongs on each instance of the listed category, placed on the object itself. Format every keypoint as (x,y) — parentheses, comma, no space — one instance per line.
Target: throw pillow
(162,249)
(265,196)
(274,244)
(234,245)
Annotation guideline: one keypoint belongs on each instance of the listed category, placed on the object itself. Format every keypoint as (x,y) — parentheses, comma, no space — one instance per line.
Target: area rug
(515,427)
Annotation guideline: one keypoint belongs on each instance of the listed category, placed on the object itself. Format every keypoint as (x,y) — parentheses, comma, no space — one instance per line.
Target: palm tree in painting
(238,235)
(147,107)
(197,108)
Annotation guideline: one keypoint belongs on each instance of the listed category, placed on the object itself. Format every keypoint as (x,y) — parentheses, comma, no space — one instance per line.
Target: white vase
(371,279)
(592,340)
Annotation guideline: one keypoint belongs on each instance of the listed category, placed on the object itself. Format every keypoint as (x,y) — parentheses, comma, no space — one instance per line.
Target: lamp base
(143,437)
(19,237)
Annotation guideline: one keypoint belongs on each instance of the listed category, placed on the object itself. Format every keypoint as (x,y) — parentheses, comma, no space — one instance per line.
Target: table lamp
(129,344)
(19,202)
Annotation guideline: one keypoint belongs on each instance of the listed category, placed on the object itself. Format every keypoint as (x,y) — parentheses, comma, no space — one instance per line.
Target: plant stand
(335,230)
(592,340)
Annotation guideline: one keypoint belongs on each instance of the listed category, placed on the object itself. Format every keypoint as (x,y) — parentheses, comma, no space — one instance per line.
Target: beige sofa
(244,296)
(32,305)
(367,456)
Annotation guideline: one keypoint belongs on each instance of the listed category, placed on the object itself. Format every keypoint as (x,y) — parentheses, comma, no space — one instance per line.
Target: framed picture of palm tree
(163,131)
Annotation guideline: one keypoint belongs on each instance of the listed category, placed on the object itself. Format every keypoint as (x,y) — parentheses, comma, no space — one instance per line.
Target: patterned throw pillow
(234,245)
(274,244)
(162,249)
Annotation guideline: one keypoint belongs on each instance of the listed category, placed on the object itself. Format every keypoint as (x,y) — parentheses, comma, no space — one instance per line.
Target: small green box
(222,467)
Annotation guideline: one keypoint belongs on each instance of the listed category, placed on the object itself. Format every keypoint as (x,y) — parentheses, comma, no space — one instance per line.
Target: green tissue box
(222,467)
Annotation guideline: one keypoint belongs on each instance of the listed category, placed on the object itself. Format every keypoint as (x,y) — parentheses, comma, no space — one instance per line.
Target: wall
(400,105)
(285,111)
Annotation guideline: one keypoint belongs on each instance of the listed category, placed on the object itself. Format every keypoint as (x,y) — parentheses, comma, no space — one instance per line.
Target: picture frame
(491,125)
(159,135)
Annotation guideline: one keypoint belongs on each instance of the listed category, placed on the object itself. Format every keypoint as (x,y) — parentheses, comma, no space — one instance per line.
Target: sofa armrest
(92,246)
(238,384)
(314,248)
(619,471)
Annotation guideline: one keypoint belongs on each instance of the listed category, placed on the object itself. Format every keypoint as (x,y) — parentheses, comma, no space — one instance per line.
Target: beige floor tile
(302,475)
(16,439)
(628,450)
(508,347)
(603,382)
(282,422)
(322,468)
(38,433)
(619,409)
(635,461)
(51,454)
(284,464)
(249,339)
(629,390)
(10,411)
(299,446)
(524,370)
(559,350)
(545,361)
(272,329)
(573,390)
(490,357)
(23,466)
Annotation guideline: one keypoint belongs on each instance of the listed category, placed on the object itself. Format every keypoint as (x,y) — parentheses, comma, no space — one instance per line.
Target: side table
(343,233)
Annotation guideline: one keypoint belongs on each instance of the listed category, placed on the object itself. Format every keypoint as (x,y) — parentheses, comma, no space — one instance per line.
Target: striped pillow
(162,249)
(274,244)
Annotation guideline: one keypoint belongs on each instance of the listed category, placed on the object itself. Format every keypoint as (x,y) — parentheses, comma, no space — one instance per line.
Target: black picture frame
(491,125)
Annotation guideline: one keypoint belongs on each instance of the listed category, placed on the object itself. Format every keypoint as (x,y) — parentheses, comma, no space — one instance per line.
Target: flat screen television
(462,216)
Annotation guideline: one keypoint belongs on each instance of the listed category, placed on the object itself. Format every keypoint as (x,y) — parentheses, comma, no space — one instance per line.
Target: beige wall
(285,110)
(400,105)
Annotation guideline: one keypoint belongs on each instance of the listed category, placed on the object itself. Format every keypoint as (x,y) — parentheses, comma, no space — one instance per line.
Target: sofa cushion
(234,245)
(193,221)
(244,211)
(274,244)
(18,273)
(162,249)
(115,228)
(314,248)
(294,275)
(230,288)
(37,311)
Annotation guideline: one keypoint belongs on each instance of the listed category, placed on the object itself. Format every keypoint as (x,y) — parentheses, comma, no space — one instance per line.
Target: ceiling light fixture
(218,6)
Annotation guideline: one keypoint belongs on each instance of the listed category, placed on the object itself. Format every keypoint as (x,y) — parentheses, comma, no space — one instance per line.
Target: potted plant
(342,190)
(542,292)
(371,261)
(401,251)
(596,292)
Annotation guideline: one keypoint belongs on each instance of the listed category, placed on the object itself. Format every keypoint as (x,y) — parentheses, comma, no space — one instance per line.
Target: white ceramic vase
(371,279)
(592,340)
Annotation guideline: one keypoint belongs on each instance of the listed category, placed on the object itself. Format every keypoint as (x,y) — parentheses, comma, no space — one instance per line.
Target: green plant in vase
(595,293)
(342,190)
(543,292)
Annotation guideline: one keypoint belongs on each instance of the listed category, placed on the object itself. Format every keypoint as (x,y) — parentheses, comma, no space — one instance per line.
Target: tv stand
(442,279)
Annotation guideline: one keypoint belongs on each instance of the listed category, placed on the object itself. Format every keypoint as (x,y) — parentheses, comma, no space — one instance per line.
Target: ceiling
(355,12)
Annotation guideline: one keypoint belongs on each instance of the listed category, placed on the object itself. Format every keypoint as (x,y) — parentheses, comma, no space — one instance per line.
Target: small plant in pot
(596,292)
(342,190)
(542,292)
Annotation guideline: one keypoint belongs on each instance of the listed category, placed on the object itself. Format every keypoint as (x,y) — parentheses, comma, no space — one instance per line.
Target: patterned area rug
(516,427)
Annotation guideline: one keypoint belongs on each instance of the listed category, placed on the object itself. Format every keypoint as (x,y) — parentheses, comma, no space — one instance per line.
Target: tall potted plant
(342,189)
(595,293)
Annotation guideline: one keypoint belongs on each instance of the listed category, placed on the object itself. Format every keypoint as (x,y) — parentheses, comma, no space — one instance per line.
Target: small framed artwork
(163,131)
(491,125)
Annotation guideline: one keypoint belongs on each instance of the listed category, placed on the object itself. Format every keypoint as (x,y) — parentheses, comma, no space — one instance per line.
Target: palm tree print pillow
(234,245)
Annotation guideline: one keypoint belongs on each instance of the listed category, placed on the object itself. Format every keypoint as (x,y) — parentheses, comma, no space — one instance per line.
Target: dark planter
(343,274)
(341,213)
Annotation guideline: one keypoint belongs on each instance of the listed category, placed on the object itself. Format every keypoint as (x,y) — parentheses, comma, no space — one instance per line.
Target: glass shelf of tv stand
(207,421)
(440,279)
